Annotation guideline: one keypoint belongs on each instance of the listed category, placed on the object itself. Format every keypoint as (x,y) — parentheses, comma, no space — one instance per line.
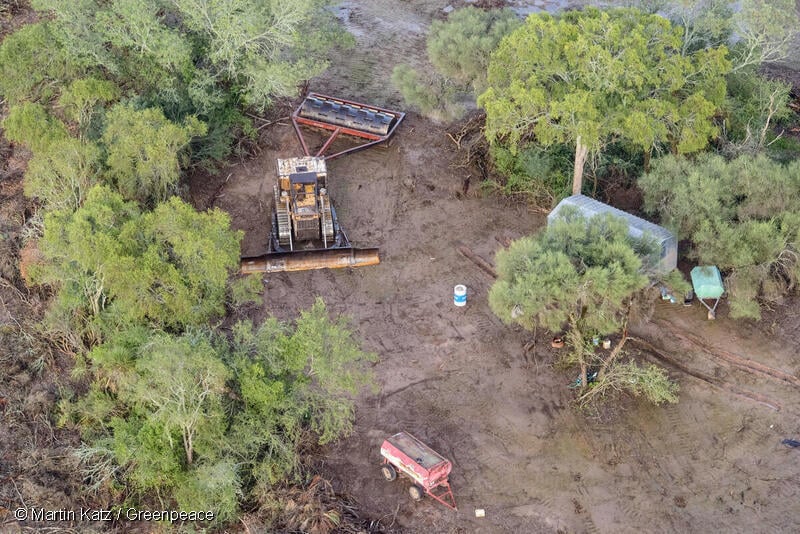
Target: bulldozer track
(282,220)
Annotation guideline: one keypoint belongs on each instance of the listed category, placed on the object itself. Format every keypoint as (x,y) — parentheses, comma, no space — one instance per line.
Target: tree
(114,267)
(459,49)
(578,273)
(600,76)
(82,98)
(62,175)
(32,63)
(255,49)
(179,384)
(292,381)
(742,215)
(145,151)
(767,29)
(755,106)
(200,417)
(31,125)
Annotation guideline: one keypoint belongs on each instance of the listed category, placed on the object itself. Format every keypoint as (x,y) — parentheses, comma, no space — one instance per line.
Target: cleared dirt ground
(460,380)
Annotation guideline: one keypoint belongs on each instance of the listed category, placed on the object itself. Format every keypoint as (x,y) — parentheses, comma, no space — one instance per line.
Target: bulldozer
(305,232)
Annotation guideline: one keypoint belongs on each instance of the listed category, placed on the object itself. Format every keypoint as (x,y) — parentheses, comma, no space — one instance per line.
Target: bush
(742,215)
(31,125)
(33,64)
(62,175)
(432,95)
(459,49)
(538,175)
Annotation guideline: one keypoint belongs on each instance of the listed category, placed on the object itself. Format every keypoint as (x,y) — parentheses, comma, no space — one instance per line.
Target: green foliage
(200,418)
(577,271)
(31,63)
(742,215)
(579,274)
(31,125)
(246,289)
(115,266)
(459,47)
(648,381)
(82,97)
(212,486)
(255,49)
(767,29)
(755,105)
(178,384)
(432,95)
(62,174)
(538,175)
(145,151)
(603,75)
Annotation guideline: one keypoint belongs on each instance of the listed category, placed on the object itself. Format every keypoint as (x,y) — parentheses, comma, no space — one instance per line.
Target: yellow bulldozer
(305,231)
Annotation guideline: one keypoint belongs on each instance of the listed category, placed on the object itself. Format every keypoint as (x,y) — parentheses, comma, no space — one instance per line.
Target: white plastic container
(460,295)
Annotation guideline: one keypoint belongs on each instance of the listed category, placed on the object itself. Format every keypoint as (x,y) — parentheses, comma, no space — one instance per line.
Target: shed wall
(637,227)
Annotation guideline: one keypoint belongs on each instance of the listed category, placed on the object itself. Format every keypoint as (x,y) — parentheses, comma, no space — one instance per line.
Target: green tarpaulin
(707,282)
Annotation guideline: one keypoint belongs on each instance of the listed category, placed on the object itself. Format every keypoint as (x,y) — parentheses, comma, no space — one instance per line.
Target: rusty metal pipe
(306,260)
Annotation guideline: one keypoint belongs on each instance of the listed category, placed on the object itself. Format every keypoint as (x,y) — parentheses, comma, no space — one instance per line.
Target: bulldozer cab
(303,186)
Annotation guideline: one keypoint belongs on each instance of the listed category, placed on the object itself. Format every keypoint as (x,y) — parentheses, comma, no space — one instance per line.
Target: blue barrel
(460,295)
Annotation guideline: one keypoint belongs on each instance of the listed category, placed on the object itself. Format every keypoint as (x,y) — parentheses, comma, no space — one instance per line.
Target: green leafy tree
(255,49)
(179,383)
(459,49)
(755,106)
(293,381)
(200,418)
(767,28)
(578,273)
(31,125)
(32,64)
(145,151)
(741,215)
(764,29)
(588,77)
(82,98)
(115,267)
(62,175)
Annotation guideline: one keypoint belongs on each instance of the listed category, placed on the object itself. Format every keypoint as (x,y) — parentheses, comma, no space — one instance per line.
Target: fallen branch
(477,260)
(503,240)
(744,364)
(713,382)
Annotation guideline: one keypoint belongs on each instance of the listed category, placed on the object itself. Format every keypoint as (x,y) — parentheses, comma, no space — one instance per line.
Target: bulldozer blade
(306,260)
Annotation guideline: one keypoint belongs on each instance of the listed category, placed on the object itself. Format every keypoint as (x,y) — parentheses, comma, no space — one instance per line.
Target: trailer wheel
(389,472)
(416,492)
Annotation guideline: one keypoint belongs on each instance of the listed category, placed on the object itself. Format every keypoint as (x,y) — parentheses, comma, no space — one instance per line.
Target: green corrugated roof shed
(707,282)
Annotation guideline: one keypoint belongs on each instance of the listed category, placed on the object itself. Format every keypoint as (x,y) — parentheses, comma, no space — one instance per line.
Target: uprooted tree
(583,275)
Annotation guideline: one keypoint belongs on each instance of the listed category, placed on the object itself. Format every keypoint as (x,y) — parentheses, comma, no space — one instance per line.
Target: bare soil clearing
(461,381)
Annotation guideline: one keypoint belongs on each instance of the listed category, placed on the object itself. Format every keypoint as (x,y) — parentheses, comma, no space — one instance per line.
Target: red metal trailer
(371,124)
(427,469)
